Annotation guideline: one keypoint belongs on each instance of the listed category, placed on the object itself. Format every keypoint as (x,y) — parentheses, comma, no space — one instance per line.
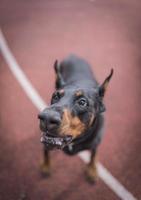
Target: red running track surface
(107,34)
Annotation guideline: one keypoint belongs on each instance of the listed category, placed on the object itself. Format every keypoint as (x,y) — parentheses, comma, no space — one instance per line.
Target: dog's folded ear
(103,87)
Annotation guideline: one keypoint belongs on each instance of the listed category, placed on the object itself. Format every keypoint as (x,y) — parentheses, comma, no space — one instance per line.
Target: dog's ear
(103,87)
(59,79)
(56,66)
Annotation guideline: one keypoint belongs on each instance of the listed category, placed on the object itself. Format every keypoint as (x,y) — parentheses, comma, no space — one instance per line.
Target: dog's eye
(56,97)
(82,102)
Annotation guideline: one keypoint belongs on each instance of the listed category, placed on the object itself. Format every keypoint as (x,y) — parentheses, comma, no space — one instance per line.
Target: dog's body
(76,111)
(77,74)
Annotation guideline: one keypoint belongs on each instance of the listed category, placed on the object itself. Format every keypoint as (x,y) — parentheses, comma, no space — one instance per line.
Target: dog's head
(72,113)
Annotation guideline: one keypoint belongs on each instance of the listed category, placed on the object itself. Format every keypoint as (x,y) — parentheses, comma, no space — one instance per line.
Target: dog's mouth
(53,142)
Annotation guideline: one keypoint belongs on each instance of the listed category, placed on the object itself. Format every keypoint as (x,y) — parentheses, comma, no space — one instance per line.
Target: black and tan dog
(74,121)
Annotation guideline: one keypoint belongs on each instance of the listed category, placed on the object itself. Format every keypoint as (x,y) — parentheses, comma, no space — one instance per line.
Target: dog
(74,121)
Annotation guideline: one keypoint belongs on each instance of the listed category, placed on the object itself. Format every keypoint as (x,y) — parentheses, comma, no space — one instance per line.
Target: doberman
(74,120)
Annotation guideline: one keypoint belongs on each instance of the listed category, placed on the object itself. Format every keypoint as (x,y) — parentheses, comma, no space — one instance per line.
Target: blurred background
(108,34)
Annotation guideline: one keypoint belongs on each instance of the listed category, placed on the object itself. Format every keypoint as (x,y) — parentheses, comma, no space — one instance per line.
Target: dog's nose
(49,120)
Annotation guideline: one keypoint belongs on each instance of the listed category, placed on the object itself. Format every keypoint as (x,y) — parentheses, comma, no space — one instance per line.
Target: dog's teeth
(68,139)
(54,142)
(59,143)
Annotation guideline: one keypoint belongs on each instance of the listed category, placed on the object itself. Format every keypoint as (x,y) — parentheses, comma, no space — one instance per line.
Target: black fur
(75,74)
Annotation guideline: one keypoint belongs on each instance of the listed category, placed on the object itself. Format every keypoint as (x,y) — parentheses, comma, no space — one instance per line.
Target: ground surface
(107,34)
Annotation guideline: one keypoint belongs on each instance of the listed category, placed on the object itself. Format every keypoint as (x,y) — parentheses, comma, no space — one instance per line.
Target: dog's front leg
(45,165)
(91,168)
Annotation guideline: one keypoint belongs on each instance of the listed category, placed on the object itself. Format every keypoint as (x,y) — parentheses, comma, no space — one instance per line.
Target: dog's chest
(70,149)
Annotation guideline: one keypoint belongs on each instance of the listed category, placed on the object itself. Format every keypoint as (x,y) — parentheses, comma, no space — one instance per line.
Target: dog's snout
(41,116)
(49,120)
(53,122)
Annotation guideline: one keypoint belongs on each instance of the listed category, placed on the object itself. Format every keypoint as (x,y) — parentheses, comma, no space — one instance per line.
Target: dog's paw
(91,174)
(45,170)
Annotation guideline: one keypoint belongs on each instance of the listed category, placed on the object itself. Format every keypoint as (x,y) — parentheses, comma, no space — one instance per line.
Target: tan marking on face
(79,93)
(61,91)
(71,125)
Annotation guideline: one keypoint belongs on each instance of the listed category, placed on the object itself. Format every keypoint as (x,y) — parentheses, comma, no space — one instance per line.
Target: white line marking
(33,95)
(109,179)
(19,75)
